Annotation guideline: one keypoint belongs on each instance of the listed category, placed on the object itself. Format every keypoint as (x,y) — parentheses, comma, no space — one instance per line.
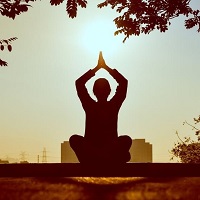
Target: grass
(89,188)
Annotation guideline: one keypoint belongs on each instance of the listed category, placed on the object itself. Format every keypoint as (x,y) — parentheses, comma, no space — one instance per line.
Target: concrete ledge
(79,170)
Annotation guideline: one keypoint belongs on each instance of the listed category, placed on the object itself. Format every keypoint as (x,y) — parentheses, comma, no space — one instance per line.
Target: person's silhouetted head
(101,89)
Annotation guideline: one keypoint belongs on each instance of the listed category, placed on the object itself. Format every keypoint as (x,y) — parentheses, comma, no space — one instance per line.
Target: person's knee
(128,157)
(129,141)
(75,140)
(125,140)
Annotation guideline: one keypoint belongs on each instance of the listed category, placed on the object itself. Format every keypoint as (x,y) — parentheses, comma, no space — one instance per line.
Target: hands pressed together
(101,63)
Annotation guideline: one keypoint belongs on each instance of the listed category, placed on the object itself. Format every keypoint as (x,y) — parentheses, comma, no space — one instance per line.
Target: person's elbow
(125,82)
(78,82)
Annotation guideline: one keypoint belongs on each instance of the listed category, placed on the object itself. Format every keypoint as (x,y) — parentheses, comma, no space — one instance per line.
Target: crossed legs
(116,151)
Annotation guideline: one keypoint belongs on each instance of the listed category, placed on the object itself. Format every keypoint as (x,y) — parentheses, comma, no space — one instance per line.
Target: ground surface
(99,188)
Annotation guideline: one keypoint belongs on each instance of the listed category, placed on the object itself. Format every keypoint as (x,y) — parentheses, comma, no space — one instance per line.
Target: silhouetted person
(101,142)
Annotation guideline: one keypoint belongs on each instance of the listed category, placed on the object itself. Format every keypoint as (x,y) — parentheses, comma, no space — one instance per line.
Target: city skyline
(140,151)
(44,156)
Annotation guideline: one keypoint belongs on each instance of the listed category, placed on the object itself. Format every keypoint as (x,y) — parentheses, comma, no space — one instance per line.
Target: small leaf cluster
(143,16)
(193,21)
(7,44)
(187,150)
(71,6)
(12,8)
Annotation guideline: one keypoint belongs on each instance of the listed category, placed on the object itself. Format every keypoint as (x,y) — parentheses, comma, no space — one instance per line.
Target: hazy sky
(39,106)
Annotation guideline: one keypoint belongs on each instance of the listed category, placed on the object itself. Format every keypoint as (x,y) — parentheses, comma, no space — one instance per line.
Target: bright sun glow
(98,36)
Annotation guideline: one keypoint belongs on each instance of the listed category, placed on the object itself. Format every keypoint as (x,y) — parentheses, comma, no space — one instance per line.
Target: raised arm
(117,76)
(120,94)
(121,91)
(81,88)
(80,82)
(113,72)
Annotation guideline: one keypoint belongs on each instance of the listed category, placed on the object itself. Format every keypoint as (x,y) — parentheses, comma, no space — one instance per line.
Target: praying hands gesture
(101,64)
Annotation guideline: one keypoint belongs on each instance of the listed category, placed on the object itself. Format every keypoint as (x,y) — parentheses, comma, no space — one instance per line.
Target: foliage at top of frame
(143,16)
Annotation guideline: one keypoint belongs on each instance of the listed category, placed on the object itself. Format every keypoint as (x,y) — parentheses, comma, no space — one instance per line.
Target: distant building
(24,162)
(141,151)
(67,153)
(4,161)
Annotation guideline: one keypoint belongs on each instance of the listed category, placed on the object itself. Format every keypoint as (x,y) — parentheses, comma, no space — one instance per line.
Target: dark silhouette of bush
(188,150)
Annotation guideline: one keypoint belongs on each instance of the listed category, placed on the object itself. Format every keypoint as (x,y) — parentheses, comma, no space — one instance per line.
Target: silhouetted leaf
(2,47)
(8,44)
(5,41)
(71,8)
(12,39)
(103,4)
(9,48)
(56,2)
(82,3)
(23,8)
(3,63)
(197,132)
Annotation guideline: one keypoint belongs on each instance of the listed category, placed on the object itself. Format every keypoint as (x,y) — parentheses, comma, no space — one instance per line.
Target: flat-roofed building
(67,153)
(141,151)
(4,161)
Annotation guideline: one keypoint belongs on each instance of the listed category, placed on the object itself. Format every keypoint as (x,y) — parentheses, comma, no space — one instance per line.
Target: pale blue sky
(39,106)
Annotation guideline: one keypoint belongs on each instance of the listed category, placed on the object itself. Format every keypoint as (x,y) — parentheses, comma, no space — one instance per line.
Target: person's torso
(101,121)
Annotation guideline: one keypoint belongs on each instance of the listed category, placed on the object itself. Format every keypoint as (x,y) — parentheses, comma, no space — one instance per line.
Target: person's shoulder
(112,101)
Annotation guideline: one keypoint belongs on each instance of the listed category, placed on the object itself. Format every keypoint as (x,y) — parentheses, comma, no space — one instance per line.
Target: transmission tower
(23,156)
(44,156)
